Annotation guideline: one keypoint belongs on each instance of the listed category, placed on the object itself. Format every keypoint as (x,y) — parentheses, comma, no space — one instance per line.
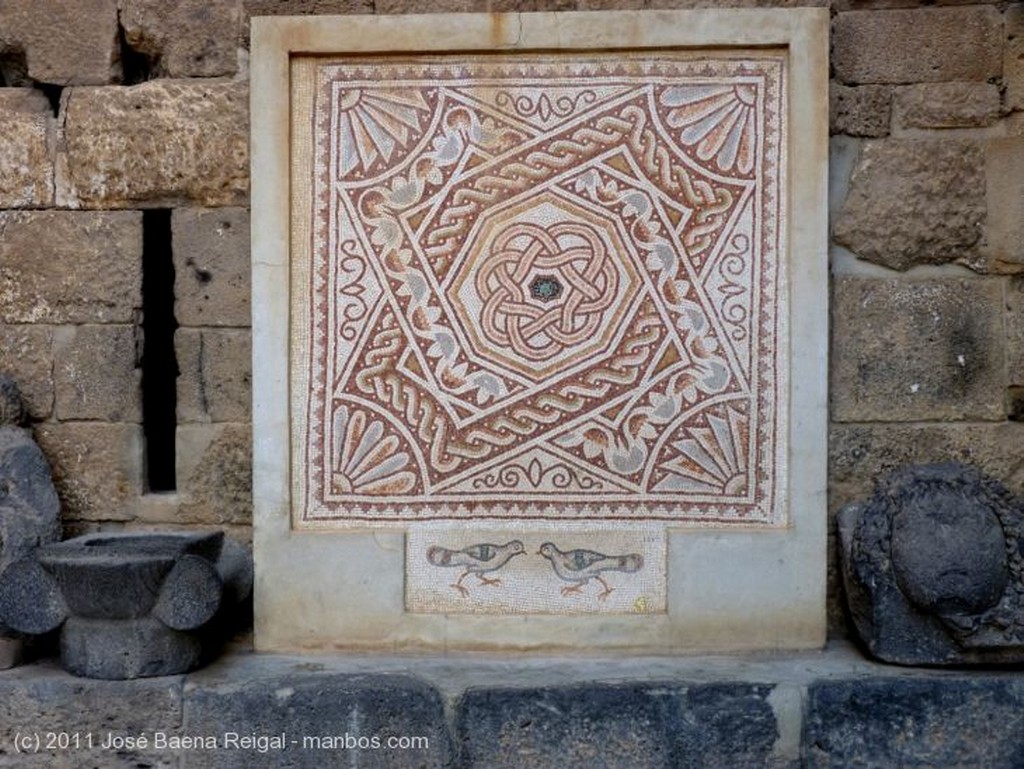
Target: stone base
(10,652)
(830,709)
(130,648)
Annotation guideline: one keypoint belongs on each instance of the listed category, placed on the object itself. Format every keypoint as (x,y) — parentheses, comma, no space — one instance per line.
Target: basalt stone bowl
(128,605)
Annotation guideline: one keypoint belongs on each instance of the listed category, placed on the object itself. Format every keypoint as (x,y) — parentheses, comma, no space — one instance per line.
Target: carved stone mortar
(129,605)
(934,569)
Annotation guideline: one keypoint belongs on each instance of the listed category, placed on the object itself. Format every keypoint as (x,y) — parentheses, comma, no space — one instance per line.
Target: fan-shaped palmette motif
(718,121)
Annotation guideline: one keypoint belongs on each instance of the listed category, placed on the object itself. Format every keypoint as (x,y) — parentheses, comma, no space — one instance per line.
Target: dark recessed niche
(159,364)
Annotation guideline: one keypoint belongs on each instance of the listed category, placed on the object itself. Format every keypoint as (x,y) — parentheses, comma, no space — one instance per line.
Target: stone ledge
(782,710)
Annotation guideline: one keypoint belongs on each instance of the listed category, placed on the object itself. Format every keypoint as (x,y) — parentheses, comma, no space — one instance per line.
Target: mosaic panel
(544,288)
(459,569)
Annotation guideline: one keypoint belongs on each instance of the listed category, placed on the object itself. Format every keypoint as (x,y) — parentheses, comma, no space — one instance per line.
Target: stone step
(828,709)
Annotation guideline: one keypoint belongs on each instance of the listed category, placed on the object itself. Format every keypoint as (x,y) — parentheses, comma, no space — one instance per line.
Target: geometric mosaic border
(643,190)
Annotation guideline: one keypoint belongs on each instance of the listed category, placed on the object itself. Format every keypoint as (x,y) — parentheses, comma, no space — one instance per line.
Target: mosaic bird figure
(581,566)
(476,559)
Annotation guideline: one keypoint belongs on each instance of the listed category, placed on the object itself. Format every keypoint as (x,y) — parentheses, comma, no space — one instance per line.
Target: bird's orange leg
(574,589)
(608,590)
(458,585)
(485,581)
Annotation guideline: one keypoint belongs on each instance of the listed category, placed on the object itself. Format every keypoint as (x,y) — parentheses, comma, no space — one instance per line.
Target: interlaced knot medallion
(576,270)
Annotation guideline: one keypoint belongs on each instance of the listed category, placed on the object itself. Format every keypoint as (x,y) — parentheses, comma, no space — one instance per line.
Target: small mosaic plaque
(456,570)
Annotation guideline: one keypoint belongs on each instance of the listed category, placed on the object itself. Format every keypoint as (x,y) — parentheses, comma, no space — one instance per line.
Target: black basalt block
(373,721)
(933,568)
(902,722)
(638,726)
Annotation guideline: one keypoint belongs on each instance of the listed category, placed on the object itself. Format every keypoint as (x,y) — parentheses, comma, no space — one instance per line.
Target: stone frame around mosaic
(731,586)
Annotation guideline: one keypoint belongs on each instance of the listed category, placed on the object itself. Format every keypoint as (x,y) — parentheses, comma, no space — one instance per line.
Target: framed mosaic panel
(539,328)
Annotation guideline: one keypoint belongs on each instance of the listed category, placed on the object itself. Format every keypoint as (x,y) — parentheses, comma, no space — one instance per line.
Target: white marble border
(729,589)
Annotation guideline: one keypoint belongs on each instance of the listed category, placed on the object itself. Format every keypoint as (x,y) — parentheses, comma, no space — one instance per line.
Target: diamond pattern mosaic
(545,288)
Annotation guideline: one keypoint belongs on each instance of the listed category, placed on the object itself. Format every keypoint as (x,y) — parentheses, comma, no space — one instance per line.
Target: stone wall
(112,108)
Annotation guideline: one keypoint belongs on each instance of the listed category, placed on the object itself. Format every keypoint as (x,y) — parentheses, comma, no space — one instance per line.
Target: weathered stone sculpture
(934,568)
(29,508)
(129,605)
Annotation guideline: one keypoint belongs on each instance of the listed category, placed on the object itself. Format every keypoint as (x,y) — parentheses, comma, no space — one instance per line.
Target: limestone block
(164,142)
(530,6)
(688,4)
(251,8)
(150,520)
(97,374)
(635,725)
(1013,56)
(861,453)
(214,471)
(304,7)
(860,5)
(916,202)
(188,38)
(1015,331)
(26,163)
(917,45)
(914,351)
(1004,165)
(211,266)
(215,383)
(947,105)
(859,111)
(26,354)
(70,267)
(65,43)
(426,6)
(97,468)
(605,5)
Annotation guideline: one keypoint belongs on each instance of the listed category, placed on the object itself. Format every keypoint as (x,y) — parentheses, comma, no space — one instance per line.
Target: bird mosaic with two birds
(577,566)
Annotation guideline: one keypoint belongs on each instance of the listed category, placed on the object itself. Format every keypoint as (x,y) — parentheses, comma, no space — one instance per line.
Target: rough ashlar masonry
(927,103)
(916,201)
(67,267)
(949,334)
(189,38)
(947,105)
(26,133)
(860,110)
(165,142)
(917,45)
(64,43)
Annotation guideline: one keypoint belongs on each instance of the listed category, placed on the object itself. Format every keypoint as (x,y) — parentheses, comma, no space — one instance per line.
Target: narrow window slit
(136,66)
(159,364)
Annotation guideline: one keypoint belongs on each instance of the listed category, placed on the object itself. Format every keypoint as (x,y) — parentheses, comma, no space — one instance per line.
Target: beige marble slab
(495,291)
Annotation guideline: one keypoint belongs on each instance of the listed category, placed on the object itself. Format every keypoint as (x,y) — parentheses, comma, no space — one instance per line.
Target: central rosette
(543,284)
(538,316)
